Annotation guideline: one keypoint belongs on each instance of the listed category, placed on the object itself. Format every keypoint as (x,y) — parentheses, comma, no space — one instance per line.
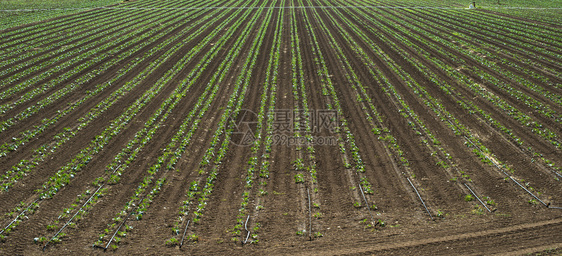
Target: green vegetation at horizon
(11,19)
(552,16)
(479,3)
(16,18)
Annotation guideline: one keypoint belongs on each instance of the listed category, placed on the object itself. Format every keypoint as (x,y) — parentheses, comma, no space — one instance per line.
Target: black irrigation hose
(419,196)
(553,171)
(523,187)
(557,174)
(506,174)
(474,194)
(68,222)
(309,215)
(118,228)
(368,207)
(246,228)
(184,232)
(17,217)
(89,199)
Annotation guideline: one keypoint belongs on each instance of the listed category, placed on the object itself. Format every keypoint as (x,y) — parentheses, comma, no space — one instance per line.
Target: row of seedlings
(367,105)
(55,51)
(19,170)
(196,202)
(173,151)
(443,159)
(68,172)
(518,115)
(349,151)
(33,32)
(61,68)
(481,151)
(142,137)
(301,128)
(170,155)
(258,171)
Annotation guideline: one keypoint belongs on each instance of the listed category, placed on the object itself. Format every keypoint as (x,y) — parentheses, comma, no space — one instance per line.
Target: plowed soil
(445,200)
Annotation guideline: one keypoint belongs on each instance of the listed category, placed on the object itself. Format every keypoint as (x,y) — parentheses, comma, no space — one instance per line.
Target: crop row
(255,170)
(144,136)
(108,64)
(350,153)
(19,170)
(509,77)
(305,162)
(442,158)
(170,157)
(483,152)
(207,164)
(80,63)
(366,104)
(518,115)
(68,172)
(270,90)
(42,104)
(55,50)
(26,34)
(59,42)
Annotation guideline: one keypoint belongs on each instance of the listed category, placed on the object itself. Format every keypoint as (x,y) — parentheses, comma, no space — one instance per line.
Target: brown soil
(515,226)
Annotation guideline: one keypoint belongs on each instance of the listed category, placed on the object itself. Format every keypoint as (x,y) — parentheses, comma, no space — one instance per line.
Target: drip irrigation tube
(419,196)
(524,188)
(70,220)
(119,228)
(184,231)
(309,215)
(368,206)
(17,217)
(474,194)
(247,231)
(509,176)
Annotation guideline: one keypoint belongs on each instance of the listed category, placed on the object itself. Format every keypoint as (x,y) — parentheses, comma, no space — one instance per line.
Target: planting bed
(281,127)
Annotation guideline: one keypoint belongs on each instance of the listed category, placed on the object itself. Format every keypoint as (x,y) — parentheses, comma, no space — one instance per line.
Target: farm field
(19,12)
(281,127)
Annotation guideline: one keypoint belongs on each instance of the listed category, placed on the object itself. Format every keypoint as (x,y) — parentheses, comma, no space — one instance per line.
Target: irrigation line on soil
(506,174)
(17,217)
(539,165)
(68,222)
(474,194)
(523,187)
(118,228)
(419,196)
(309,215)
(184,231)
(368,206)
(247,231)
(557,174)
